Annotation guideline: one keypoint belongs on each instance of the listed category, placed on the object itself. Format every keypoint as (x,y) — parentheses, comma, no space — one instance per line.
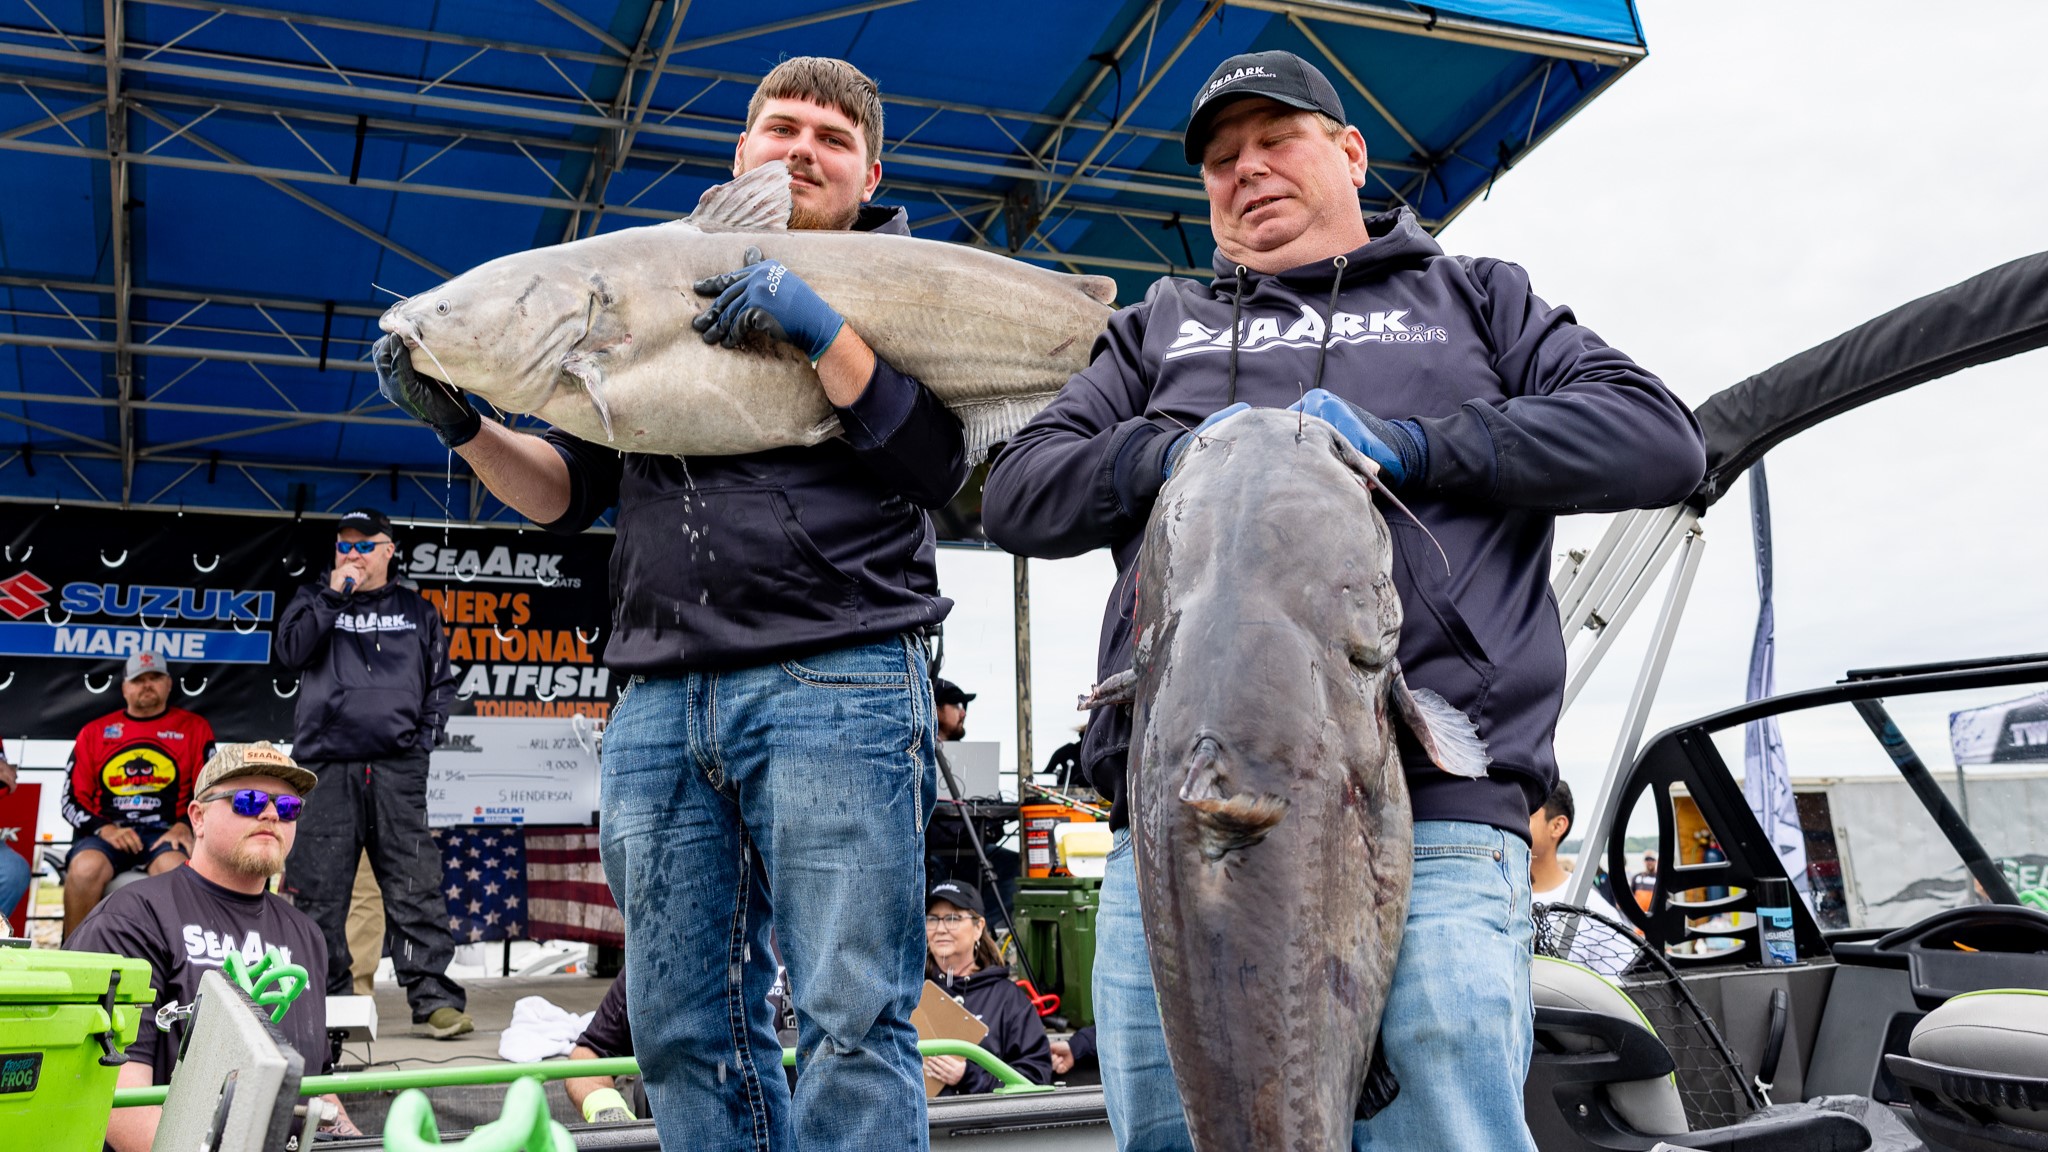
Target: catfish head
(515,329)
(1265,671)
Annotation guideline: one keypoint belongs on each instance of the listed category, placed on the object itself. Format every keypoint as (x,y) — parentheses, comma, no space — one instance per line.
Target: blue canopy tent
(189,287)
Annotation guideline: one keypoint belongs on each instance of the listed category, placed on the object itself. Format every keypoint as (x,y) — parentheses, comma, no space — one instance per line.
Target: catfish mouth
(396,322)
(1227,820)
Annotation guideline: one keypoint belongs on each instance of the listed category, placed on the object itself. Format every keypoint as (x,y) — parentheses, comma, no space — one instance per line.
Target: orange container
(1039,820)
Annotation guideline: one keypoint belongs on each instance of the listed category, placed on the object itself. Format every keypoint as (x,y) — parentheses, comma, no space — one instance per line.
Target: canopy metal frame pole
(717,130)
(1574,583)
(114,21)
(1430,23)
(1637,716)
(1624,596)
(1020,569)
(165,500)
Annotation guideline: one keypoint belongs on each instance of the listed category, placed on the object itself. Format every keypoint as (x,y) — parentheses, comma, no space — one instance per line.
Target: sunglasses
(252,801)
(364,546)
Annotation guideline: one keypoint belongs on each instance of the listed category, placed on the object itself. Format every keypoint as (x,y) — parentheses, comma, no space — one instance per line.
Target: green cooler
(1056,933)
(61,1015)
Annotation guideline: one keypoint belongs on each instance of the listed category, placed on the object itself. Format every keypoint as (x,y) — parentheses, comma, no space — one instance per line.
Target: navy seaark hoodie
(374,681)
(1526,414)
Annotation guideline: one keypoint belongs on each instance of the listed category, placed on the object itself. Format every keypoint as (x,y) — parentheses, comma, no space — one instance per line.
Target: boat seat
(1977,1069)
(1600,1078)
(1651,1104)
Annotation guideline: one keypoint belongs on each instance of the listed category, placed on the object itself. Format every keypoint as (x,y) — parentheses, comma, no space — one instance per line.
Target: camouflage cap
(262,758)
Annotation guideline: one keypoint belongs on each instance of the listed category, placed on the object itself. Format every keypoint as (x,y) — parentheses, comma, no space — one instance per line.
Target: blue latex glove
(1180,445)
(1396,446)
(766,297)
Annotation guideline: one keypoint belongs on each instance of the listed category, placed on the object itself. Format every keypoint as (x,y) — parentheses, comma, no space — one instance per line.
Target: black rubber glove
(425,399)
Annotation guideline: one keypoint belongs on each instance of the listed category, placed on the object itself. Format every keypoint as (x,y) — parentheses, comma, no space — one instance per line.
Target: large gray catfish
(594,336)
(1268,806)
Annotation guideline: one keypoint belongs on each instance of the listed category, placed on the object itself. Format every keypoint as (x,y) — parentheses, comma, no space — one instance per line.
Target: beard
(257,857)
(805,219)
(802,218)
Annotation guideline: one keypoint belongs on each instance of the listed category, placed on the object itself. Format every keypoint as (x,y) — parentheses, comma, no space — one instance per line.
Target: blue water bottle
(1774,921)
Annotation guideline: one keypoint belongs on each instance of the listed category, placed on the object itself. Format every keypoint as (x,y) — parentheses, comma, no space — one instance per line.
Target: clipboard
(940,1017)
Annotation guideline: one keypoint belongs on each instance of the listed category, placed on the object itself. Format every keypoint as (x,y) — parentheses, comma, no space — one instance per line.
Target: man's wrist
(818,350)
(1408,441)
(1140,468)
(461,432)
(604,1100)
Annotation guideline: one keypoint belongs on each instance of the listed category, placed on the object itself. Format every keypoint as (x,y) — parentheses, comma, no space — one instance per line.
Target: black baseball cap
(961,896)
(1279,76)
(947,692)
(368,521)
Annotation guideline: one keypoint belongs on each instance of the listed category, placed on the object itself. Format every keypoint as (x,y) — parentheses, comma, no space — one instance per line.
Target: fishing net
(1711,1081)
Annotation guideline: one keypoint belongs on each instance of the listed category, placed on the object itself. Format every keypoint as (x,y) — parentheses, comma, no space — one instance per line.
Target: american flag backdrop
(565,880)
(483,874)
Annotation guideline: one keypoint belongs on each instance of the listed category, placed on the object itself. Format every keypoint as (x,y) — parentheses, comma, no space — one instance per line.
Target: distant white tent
(2015,732)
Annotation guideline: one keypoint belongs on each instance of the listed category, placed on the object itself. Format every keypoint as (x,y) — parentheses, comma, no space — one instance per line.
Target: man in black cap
(374,690)
(1489,412)
(950,704)
(949,851)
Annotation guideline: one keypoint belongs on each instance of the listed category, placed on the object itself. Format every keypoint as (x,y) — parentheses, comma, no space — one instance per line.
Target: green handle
(523,1125)
(258,980)
(1012,1082)
(2035,898)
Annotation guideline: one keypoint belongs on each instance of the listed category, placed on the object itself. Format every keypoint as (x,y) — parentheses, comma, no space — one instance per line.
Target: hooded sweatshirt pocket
(1439,649)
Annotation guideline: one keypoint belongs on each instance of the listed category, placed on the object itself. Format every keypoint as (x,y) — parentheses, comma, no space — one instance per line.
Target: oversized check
(514,770)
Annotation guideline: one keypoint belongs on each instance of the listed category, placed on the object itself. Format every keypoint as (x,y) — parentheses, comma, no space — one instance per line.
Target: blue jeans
(1459,1022)
(811,780)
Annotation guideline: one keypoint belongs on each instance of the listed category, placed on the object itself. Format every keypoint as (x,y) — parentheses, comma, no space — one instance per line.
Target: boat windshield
(1895,796)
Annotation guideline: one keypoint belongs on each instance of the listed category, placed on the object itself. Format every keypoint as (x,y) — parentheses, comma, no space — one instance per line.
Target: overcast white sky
(1772,174)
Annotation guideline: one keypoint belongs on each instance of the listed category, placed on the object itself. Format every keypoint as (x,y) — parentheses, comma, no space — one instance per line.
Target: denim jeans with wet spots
(811,780)
(1459,1022)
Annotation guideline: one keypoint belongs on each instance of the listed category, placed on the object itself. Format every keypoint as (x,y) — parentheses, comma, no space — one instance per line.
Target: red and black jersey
(129,771)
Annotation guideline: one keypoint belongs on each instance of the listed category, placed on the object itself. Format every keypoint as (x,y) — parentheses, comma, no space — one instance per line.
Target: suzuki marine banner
(83,588)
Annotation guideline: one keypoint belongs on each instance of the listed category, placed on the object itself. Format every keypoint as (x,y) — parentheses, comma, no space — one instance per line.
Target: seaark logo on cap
(1256,71)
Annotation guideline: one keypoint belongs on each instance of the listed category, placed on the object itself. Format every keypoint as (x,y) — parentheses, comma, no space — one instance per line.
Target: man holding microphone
(374,690)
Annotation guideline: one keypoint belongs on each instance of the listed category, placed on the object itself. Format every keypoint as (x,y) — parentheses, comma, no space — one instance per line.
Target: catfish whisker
(417,339)
(1184,427)
(1374,482)
(381,288)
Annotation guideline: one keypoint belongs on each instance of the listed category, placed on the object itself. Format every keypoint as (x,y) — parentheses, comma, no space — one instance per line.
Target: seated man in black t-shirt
(244,816)
(609,1035)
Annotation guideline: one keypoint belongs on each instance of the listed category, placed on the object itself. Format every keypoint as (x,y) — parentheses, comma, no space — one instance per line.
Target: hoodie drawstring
(1329,320)
(1236,330)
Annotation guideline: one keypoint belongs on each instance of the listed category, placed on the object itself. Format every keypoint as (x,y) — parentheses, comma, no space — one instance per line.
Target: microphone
(348,585)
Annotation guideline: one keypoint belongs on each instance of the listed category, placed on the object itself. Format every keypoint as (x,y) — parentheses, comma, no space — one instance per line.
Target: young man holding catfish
(771,754)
